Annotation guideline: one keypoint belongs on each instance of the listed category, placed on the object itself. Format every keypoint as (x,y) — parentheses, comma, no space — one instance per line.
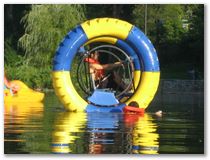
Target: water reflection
(34,128)
(17,115)
(132,133)
(67,128)
(99,133)
(18,122)
(145,137)
(105,130)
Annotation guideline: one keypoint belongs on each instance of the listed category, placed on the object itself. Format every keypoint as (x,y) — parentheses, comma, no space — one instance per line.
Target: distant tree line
(33,32)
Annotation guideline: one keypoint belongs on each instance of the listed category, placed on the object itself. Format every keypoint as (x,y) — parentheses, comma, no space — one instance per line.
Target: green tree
(121,11)
(12,27)
(193,42)
(196,34)
(164,22)
(45,26)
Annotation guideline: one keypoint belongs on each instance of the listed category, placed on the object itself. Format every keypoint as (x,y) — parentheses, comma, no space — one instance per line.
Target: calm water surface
(47,128)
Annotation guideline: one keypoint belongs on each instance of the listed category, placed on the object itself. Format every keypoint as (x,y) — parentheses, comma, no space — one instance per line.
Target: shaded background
(33,32)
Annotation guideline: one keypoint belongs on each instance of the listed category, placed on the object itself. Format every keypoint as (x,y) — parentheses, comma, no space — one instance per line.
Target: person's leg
(114,82)
(103,83)
(111,83)
(119,81)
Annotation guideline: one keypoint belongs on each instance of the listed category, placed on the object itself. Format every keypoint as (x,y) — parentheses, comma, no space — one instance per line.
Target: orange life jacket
(99,72)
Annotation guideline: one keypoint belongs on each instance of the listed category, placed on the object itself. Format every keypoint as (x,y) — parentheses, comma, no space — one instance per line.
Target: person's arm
(11,85)
(6,82)
(109,66)
(15,87)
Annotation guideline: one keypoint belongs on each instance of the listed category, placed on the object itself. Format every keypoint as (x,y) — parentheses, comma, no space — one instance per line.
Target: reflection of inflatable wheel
(145,54)
(65,127)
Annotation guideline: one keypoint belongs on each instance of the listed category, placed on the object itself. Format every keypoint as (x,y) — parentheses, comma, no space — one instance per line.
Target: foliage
(11,56)
(176,31)
(13,29)
(196,34)
(32,76)
(121,11)
(16,68)
(164,22)
(45,26)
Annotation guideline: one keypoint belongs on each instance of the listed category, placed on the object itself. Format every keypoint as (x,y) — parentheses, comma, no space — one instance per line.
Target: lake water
(44,128)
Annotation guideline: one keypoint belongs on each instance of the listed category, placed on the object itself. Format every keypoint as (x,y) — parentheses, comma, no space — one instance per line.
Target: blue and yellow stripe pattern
(117,32)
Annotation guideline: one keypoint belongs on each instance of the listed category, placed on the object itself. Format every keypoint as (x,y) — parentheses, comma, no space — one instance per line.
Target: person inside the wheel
(97,71)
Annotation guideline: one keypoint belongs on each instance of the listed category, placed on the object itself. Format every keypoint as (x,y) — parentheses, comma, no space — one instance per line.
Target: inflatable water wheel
(130,42)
